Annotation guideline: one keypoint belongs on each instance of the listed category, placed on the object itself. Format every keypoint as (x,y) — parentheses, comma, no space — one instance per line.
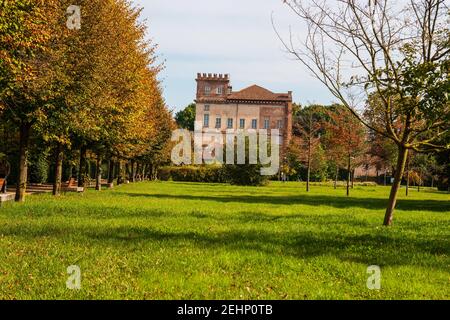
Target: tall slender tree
(347,135)
(307,127)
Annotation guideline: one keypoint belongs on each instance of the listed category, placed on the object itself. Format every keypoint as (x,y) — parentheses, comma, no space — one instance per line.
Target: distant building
(219,107)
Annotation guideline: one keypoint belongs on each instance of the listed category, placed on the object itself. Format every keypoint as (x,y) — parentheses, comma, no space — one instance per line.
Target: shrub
(443,184)
(212,174)
(245,175)
(235,174)
(38,169)
(164,174)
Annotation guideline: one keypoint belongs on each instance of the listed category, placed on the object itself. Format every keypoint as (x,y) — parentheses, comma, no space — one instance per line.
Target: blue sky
(227,36)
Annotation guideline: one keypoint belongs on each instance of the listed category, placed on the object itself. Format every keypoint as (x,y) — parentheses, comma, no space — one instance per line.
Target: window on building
(280,124)
(207,90)
(218,123)
(242,123)
(206,121)
(219,90)
(254,124)
(266,123)
(206,107)
(230,123)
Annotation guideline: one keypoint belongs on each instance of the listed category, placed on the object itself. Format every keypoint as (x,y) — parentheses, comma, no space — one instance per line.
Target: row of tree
(80,83)
(326,137)
(330,142)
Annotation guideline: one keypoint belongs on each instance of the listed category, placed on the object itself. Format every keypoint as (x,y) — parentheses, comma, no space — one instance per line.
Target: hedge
(234,174)
(212,174)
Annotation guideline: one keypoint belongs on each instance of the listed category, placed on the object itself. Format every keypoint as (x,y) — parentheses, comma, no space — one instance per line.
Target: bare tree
(397,52)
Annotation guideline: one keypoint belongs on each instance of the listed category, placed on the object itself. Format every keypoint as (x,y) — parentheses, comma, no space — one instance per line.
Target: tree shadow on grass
(303,219)
(312,200)
(383,248)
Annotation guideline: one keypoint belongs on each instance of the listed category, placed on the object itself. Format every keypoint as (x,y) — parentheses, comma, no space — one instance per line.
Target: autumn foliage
(88,94)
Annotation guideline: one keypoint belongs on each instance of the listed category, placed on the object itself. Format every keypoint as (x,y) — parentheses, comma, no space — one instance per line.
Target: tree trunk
(127,171)
(420,181)
(353,178)
(138,171)
(119,173)
(309,166)
(407,183)
(82,167)
(144,169)
(133,171)
(407,176)
(400,168)
(21,186)
(349,173)
(98,174)
(117,169)
(58,170)
(336,178)
(385,178)
(111,172)
(148,172)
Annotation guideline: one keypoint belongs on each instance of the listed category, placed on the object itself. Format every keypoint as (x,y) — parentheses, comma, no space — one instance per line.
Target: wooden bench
(2,185)
(72,183)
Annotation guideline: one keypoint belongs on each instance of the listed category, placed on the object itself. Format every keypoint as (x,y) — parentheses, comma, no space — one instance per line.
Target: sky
(227,36)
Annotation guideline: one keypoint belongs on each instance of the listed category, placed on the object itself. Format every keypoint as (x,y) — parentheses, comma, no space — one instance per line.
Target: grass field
(207,241)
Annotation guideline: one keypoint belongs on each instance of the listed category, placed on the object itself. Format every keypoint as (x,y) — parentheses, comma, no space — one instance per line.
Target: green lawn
(209,241)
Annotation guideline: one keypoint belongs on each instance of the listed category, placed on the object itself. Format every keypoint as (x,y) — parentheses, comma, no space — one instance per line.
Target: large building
(219,107)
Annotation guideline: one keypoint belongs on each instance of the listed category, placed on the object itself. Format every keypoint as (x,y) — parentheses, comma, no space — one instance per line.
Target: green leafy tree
(186,118)
(443,172)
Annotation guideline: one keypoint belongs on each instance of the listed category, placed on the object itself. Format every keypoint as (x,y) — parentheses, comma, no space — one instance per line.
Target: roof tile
(258,93)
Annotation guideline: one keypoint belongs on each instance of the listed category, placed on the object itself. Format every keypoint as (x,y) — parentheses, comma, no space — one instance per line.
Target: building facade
(219,107)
